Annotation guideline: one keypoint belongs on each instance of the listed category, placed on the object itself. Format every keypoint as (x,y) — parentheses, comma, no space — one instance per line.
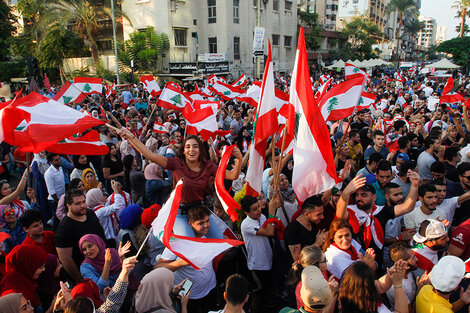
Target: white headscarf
(42,163)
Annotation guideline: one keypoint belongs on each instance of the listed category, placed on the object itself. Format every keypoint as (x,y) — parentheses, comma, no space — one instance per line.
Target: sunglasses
(9,212)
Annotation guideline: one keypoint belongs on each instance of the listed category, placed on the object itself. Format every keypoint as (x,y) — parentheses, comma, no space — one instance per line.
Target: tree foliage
(313,33)
(458,47)
(7,21)
(361,34)
(145,48)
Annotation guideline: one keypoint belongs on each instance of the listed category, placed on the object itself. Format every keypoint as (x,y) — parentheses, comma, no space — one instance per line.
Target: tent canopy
(444,63)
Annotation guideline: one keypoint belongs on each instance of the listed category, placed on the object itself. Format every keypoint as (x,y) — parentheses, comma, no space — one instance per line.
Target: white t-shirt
(416,217)
(203,279)
(463,152)
(260,254)
(448,206)
(428,91)
(409,286)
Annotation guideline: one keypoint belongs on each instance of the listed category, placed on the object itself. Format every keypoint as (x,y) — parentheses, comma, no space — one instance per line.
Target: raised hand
(414,178)
(108,258)
(354,185)
(425,279)
(123,250)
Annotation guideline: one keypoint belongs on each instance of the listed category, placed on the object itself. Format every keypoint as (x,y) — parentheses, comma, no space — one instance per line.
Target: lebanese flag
(150,84)
(322,90)
(111,90)
(342,258)
(195,95)
(400,79)
(283,117)
(314,165)
(159,128)
(230,206)
(88,144)
(198,252)
(226,91)
(69,93)
(206,92)
(323,79)
(412,69)
(252,94)
(449,96)
(266,125)
(351,71)
(340,101)
(240,81)
(427,258)
(212,79)
(172,98)
(367,99)
(201,119)
(401,101)
(89,85)
(35,122)
(47,84)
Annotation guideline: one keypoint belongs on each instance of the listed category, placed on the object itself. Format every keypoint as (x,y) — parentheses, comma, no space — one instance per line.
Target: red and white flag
(323,79)
(198,252)
(111,90)
(35,122)
(351,71)
(266,124)
(151,85)
(340,101)
(226,91)
(252,94)
(89,85)
(230,206)
(47,84)
(240,81)
(401,101)
(412,69)
(314,166)
(172,98)
(212,79)
(449,96)
(367,99)
(69,93)
(322,90)
(89,144)
(400,79)
(159,128)
(427,257)
(201,119)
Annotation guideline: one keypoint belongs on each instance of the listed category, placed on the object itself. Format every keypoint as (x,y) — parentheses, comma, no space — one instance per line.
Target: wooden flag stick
(143,243)
(112,127)
(346,131)
(273,154)
(279,166)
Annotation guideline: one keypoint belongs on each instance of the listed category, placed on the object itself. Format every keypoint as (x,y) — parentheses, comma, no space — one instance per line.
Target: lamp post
(115,42)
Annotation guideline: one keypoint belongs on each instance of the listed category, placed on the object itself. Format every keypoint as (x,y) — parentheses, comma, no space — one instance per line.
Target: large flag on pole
(69,93)
(240,81)
(340,101)
(314,166)
(201,119)
(89,85)
(151,85)
(351,71)
(172,98)
(266,124)
(449,96)
(226,91)
(198,252)
(42,122)
(88,144)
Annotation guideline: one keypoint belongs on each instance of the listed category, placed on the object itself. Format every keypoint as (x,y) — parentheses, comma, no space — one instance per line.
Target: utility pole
(258,24)
(115,42)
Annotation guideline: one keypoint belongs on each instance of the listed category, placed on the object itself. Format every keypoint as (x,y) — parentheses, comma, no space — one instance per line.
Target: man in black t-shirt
(303,231)
(78,222)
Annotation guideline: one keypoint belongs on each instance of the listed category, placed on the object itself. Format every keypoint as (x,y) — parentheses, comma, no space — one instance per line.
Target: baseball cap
(447,273)
(430,229)
(315,291)
(403,156)
(368,187)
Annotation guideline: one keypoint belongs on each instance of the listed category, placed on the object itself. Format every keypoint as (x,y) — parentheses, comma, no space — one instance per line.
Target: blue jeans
(182,227)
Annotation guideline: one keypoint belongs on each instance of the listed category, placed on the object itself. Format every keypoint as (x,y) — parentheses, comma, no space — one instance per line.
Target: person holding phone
(156,292)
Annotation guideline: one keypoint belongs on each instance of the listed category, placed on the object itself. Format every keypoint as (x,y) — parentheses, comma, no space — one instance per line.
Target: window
(212,44)
(180,37)
(275,5)
(212,12)
(287,41)
(236,11)
(288,5)
(276,40)
(236,48)
(104,44)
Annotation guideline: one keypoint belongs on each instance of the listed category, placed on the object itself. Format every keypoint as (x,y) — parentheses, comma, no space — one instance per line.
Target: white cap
(434,230)
(447,273)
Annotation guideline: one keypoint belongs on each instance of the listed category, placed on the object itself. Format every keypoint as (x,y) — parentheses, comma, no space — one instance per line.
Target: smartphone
(64,286)
(186,288)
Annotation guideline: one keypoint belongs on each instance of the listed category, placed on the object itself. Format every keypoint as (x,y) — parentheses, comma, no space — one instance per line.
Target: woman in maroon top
(198,174)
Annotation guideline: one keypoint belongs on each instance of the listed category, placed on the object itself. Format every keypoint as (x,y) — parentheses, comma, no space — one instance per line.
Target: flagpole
(279,166)
(143,243)
(273,154)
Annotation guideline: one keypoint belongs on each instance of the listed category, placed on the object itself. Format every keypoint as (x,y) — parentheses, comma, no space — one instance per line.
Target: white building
(441,34)
(373,9)
(220,32)
(427,36)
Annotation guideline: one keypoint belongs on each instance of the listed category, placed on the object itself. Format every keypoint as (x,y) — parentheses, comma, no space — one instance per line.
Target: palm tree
(82,16)
(402,7)
(413,27)
(462,7)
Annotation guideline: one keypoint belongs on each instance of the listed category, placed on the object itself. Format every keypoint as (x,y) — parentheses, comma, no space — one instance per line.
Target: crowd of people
(393,236)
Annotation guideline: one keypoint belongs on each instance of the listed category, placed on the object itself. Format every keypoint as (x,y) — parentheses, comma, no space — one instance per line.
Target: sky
(442,11)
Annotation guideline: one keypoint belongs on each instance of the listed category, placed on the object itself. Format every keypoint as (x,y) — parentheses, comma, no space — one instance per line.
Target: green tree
(7,21)
(402,7)
(144,48)
(313,30)
(361,34)
(466,29)
(81,16)
(413,27)
(462,7)
(458,47)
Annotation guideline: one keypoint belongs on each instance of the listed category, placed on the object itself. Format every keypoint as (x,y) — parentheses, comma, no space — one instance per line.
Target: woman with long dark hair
(198,173)
(112,166)
(134,180)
